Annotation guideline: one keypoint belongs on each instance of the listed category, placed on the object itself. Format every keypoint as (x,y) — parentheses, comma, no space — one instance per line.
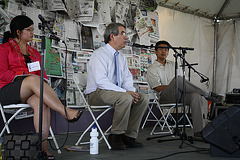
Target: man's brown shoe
(215,98)
(131,142)
(197,136)
(116,142)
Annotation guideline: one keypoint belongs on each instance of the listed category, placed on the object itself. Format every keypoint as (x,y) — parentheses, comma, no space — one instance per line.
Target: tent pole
(216,19)
(222,8)
(215,55)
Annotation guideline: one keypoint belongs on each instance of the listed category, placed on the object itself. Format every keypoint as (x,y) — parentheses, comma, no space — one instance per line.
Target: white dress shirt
(101,70)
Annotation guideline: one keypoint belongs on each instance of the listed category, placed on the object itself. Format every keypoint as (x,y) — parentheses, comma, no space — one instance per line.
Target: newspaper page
(72,36)
(141,24)
(36,43)
(4,19)
(98,40)
(80,10)
(87,38)
(33,14)
(56,5)
(104,10)
(153,23)
(69,66)
(121,12)
(14,9)
(59,29)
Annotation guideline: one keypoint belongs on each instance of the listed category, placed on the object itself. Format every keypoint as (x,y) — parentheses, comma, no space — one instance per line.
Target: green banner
(52,60)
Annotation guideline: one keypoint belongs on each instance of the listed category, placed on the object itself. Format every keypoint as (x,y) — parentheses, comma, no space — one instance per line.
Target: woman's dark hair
(111,28)
(161,42)
(18,23)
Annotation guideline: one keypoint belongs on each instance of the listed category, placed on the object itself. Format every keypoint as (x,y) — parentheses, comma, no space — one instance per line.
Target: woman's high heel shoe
(75,119)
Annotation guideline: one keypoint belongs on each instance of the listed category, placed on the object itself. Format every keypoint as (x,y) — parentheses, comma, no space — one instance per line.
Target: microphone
(131,44)
(204,80)
(181,48)
(41,18)
(51,36)
(170,46)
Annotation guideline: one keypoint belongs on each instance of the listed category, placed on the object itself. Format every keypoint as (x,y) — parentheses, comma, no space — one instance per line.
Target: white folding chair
(20,111)
(80,80)
(149,113)
(165,115)
(163,122)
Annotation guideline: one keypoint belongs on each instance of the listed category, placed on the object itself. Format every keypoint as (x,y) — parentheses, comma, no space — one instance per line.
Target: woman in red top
(20,76)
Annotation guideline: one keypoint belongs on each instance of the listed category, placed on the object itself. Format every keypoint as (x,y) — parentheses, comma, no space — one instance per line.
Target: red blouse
(12,62)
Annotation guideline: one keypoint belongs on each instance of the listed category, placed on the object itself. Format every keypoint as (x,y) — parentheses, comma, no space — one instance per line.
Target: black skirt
(10,93)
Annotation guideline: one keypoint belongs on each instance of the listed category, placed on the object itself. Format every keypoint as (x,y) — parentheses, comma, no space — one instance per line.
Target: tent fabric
(224,9)
(228,59)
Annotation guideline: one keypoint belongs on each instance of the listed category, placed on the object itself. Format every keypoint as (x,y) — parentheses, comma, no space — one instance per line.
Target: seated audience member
(110,83)
(161,78)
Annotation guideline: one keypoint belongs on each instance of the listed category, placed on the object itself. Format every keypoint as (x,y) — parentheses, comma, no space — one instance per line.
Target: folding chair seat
(18,112)
(165,116)
(80,80)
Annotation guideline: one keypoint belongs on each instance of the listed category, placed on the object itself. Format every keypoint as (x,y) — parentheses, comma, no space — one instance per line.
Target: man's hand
(135,96)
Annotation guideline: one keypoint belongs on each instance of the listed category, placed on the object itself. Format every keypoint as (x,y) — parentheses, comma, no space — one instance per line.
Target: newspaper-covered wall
(81,24)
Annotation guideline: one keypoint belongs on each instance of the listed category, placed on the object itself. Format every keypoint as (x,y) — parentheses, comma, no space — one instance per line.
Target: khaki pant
(193,99)
(127,116)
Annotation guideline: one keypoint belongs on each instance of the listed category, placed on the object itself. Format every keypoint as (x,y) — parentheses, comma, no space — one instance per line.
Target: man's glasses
(123,33)
(163,49)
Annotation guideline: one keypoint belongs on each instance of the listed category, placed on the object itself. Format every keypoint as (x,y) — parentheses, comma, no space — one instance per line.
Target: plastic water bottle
(94,141)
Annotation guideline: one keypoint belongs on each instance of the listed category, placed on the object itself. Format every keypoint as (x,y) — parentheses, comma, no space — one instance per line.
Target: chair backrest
(80,79)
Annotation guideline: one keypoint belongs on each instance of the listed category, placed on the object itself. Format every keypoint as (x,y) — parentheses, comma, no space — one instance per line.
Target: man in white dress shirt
(106,87)
(161,78)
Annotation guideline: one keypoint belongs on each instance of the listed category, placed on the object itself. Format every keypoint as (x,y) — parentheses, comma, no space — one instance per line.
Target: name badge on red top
(34,66)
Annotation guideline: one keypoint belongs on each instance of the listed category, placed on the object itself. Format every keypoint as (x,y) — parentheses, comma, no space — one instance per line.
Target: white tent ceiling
(219,9)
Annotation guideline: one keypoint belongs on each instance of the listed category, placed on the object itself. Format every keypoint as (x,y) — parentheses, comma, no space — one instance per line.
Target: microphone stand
(41,154)
(184,135)
(177,131)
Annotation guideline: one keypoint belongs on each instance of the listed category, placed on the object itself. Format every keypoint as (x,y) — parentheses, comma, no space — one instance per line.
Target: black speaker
(223,133)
